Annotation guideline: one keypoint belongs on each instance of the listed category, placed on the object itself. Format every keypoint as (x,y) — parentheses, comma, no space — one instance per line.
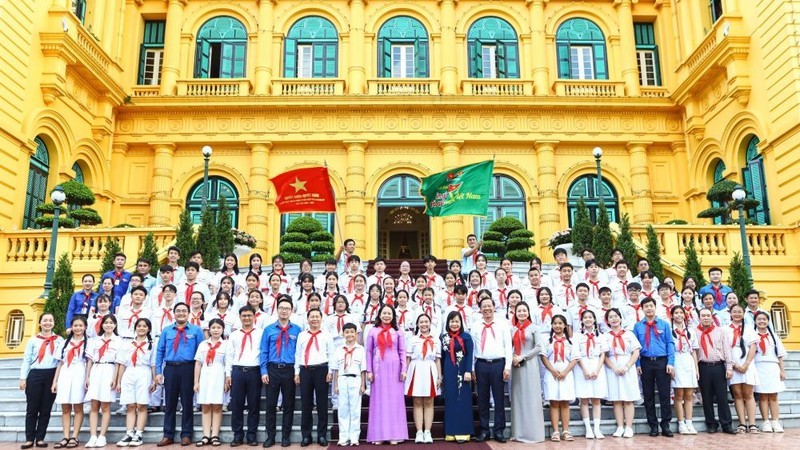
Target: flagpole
(336,204)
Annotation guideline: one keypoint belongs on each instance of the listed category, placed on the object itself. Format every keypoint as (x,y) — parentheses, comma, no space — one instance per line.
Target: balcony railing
(146,91)
(654,92)
(214,87)
(497,87)
(304,87)
(589,88)
(403,86)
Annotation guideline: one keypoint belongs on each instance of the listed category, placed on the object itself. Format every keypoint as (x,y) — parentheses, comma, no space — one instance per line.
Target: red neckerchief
(596,286)
(103,348)
(471,297)
(189,291)
(87,302)
(76,348)
(312,340)
(486,326)
(196,318)
(624,284)
(716,319)
(617,340)
(405,284)
(737,334)
(212,352)
(718,300)
(167,315)
(461,311)
(546,311)
(98,324)
(453,338)
(136,349)
(589,344)
(668,308)
(689,312)
(384,338)
(636,308)
(389,300)
(373,310)
(348,357)
(246,335)
(47,341)
(401,317)
(558,349)
(705,338)
(339,322)
(427,342)
(133,314)
(431,280)
(358,297)
(762,344)
(519,336)
(284,334)
(582,309)
(328,302)
(681,337)
(429,311)
(650,326)
(501,297)
(450,295)
(569,293)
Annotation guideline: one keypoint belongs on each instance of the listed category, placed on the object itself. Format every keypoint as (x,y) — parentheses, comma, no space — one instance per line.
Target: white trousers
(349,408)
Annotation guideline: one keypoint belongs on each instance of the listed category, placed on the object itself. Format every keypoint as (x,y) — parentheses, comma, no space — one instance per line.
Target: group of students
(214,339)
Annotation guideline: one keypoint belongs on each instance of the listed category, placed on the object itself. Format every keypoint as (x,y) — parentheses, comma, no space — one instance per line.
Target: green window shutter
(142,56)
(331,60)
(318,61)
(226,62)
(385,58)
(562,51)
(500,60)
(290,58)
(202,59)
(421,54)
(657,63)
(239,59)
(600,63)
(508,60)
(475,59)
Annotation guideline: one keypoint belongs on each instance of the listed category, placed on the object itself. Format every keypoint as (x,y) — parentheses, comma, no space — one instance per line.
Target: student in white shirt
(313,374)
(564,289)
(404,281)
(243,376)
(487,278)
(432,279)
(127,317)
(512,280)
(349,384)
(379,264)
(500,292)
(447,296)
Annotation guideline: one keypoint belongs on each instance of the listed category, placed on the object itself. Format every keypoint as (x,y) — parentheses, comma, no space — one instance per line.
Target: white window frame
(489,61)
(581,62)
(646,62)
(403,58)
(305,61)
(153,63)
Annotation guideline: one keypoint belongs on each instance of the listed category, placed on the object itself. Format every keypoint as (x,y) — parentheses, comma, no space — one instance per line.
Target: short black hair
(174,248)
(647,300)
(559,251)
(192,264)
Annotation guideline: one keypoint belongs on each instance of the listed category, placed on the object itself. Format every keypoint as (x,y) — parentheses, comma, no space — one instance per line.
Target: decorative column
(107,33)
(162,184)
(549,218)
(257,219)
(172,47)
(357,72)
(540,71)
(99,14)
(640,182)
(263,74)
(355,223)
(449,71)
(627,41)
(453,226)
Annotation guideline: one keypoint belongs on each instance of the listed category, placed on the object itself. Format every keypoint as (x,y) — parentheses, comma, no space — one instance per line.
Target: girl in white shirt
(209,380)
(771,373)
(101,371)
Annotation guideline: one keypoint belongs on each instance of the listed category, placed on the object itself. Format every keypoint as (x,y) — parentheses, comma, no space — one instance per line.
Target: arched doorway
(403,226)
(218,187)
(587,187)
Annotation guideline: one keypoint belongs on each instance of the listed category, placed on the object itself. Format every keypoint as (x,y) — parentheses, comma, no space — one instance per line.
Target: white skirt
(623,388)
(563,390)
(135,387)
(769,378)
(71,385)
(685,373)
(212,385)
(750,376)
(100,383)
(421,379)
(597,388)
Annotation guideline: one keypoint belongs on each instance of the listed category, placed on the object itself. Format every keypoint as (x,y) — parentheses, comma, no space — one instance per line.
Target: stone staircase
(12,413)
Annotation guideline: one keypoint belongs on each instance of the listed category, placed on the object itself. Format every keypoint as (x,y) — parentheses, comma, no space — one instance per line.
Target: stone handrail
(589,88)
(497,87)
(146,91)
(403,86)
(217,87)
(305,87)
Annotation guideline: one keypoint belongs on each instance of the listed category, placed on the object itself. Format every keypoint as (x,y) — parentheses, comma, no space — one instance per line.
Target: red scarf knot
(284,334)
(76,348)
(547,311)
(181,334)
(559,349)
(762,344)
(246,335)
(312,340)
(618,340)
(651,326)
(427,342)
(455,337)
(705,338)
(589,344)
(519,336)
(384,338)
(136,349)
(486,326)
(212,352)
(681,338)
(46,342)
(737,334)
(103,348)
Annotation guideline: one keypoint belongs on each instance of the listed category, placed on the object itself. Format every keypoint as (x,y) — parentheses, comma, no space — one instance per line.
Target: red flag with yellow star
(304,190)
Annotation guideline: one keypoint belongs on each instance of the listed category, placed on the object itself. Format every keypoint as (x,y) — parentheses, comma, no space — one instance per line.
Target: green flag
(463,190)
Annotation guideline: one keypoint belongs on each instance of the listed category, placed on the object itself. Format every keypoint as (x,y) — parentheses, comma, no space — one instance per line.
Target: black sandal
(62,443)
(72,443)
(215,442)
(41,444)
(203,441)
(26,445)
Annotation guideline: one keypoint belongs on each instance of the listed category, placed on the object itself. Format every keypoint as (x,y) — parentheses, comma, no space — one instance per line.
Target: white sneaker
(682,428)
(343,443)
(628,433)
(136,441)
(619,432)
(766,427)
(598,434)
(426,437)
(690,427)
(126,440)
(777,427)
(101,442)
(589,434)
(420,439)
(122,410)
(92,442)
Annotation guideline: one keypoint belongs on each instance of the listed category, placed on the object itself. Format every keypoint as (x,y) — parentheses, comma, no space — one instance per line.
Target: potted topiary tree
(296,243)
(78,197)
(508,237)
(721,197)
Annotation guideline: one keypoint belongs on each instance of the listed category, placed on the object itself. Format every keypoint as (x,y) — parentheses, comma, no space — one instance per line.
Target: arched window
(755,183)
(37,183)
(311,49)
(586,186)
(493,50)
(79,9)
(400,190)
(581,51)
(218,187)
(221,49)
(403,49)
(78,173)
(719,172)
(15,328)
(506,199)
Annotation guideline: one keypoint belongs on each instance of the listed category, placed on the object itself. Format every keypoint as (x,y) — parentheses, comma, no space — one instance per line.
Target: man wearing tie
(242,376)
(492,368)
(175,370)
(655,365)
(313,374)
(278,346)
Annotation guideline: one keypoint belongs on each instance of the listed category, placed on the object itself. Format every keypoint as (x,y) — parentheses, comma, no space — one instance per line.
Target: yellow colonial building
(123,94)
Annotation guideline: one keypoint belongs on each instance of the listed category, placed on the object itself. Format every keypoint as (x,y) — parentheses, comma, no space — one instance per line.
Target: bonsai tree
(150,252)
(692,265)
(322,246)
(207,242)
(738,278)
(582,228)
(110,248)
(721,197)
(184,237)
(74,211)
(296,242)
(625,241)
(58,298)
(508,237)
(224,228)
(654,253)
(601,243)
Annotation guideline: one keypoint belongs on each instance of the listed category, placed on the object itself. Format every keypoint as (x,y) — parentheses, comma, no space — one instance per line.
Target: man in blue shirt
(83,301)
(175,370)
(143,266)
(119,276)
(655,365)
(278,344)
(716,288)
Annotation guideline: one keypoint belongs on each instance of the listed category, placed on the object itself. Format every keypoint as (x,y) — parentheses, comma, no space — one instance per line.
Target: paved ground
(788,440)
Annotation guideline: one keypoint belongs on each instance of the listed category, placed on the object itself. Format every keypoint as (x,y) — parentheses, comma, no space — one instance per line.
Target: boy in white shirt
(349,384)
(564,289)
(591,276)
(619,284)
(346,280)
(432,279)
(379,264)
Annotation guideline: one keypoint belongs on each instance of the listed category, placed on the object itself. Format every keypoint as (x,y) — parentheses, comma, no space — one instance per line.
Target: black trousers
(178,382)
(654,375)
(281,380)
(314,387)
(490,378)
(714,387)
(245,385)
(40,403)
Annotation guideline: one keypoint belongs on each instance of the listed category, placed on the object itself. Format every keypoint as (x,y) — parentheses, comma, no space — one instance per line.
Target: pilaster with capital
(640,182)
(161,184)
(449,71)
(452,226)
(357,72)
(549,218)
(170,71)
(355,222)
(263,72)
(630,71)
(257,217)
(540,70)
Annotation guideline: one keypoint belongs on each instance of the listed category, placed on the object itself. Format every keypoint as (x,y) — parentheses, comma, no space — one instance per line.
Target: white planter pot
(241,250)
(575,260)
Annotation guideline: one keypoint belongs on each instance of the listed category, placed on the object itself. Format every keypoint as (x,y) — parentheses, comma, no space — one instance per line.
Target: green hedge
(520,255)
(305,225)
(300,248)
(321,236)
(294,237)
(322,247)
